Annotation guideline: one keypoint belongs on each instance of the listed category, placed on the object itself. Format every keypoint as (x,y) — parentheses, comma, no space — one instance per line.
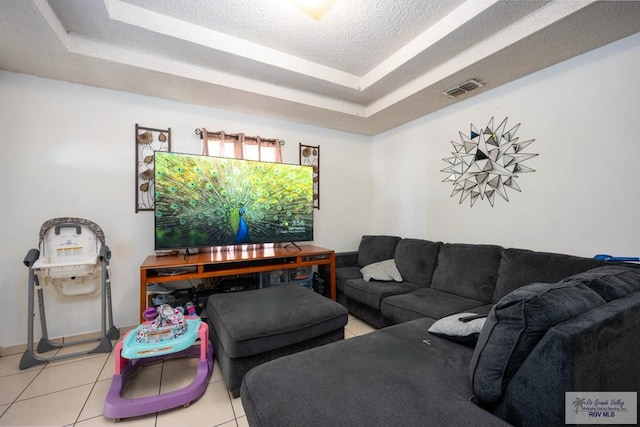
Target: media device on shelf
(203,201)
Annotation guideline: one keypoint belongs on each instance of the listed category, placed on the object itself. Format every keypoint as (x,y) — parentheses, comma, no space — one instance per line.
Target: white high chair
(74,258)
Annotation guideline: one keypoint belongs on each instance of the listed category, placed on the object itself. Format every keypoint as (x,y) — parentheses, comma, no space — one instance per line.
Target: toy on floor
(168,324)
(166,334)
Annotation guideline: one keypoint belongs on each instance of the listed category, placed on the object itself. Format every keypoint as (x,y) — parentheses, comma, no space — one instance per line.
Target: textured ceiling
(365,66)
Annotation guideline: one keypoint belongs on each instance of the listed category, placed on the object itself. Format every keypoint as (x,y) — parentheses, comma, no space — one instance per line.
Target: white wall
(69,150)
(583,198)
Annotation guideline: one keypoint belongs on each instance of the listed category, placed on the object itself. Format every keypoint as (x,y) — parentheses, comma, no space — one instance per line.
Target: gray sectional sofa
(442,278)
(555,323)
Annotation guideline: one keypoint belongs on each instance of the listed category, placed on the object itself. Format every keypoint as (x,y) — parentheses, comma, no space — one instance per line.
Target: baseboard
(21,348)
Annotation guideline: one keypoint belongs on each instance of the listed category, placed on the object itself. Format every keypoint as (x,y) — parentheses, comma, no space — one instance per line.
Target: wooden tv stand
(217,263)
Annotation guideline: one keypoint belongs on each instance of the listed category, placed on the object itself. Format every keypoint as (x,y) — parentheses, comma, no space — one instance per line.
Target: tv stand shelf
(218,263)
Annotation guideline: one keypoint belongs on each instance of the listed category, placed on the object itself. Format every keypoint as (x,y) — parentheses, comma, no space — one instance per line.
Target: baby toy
(167,333)
(168,324)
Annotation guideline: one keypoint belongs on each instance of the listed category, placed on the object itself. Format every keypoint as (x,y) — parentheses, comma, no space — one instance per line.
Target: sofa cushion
(611,282)
(383,271)
(467,270)
(373,292)
(463,328)
(520,267)
(516,324)
(376,248)
(416,260)
(426,302)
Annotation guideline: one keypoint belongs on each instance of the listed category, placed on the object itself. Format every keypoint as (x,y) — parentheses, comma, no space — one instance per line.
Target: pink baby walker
(167,333)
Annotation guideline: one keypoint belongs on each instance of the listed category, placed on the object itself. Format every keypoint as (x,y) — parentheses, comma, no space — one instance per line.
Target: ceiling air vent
(462,88)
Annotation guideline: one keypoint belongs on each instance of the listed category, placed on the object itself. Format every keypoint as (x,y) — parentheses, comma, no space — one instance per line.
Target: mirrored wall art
(487,162)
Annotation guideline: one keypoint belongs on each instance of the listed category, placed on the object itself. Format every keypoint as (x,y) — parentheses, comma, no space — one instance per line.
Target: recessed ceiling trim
(536,21)
(50,16)
(456,19)
(172,27)
(93,48)
(89,47)
(101,50)
(543,17)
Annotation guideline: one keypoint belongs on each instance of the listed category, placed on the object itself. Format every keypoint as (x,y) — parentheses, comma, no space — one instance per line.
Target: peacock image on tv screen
(205,201)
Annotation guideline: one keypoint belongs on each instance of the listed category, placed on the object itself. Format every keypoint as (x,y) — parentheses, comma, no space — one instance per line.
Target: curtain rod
(199,133)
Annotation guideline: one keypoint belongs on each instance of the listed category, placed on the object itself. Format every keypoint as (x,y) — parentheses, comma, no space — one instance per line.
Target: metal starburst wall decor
(487,162)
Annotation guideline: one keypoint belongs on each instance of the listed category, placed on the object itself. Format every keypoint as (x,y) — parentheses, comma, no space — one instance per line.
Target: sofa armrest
(343,259)
(596,351)
(347,259)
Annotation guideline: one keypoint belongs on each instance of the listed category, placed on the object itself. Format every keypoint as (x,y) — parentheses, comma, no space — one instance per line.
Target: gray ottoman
(249,328)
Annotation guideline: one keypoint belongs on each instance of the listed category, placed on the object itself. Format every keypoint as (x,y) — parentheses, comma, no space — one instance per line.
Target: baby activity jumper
(167,333)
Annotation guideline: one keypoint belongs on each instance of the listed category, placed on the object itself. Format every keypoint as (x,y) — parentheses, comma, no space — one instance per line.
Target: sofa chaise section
(388,377)
(539,341)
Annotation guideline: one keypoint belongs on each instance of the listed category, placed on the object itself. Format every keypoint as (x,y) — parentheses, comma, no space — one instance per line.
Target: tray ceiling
(365,66)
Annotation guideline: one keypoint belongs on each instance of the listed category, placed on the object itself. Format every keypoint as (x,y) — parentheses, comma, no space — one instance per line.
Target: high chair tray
(45,262)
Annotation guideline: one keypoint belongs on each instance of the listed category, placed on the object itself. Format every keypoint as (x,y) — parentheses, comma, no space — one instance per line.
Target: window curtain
(240,146)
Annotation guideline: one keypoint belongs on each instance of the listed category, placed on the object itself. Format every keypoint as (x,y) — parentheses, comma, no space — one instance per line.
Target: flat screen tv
(203,201)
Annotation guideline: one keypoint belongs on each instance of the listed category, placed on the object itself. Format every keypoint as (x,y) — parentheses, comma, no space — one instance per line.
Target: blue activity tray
(131,349)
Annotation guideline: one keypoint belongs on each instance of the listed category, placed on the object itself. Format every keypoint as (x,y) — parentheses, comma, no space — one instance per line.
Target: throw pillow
(514,327)
(376,248)
(384,271)
(463,328)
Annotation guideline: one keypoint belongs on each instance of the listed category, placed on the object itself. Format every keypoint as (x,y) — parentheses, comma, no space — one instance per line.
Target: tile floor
(71,392)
